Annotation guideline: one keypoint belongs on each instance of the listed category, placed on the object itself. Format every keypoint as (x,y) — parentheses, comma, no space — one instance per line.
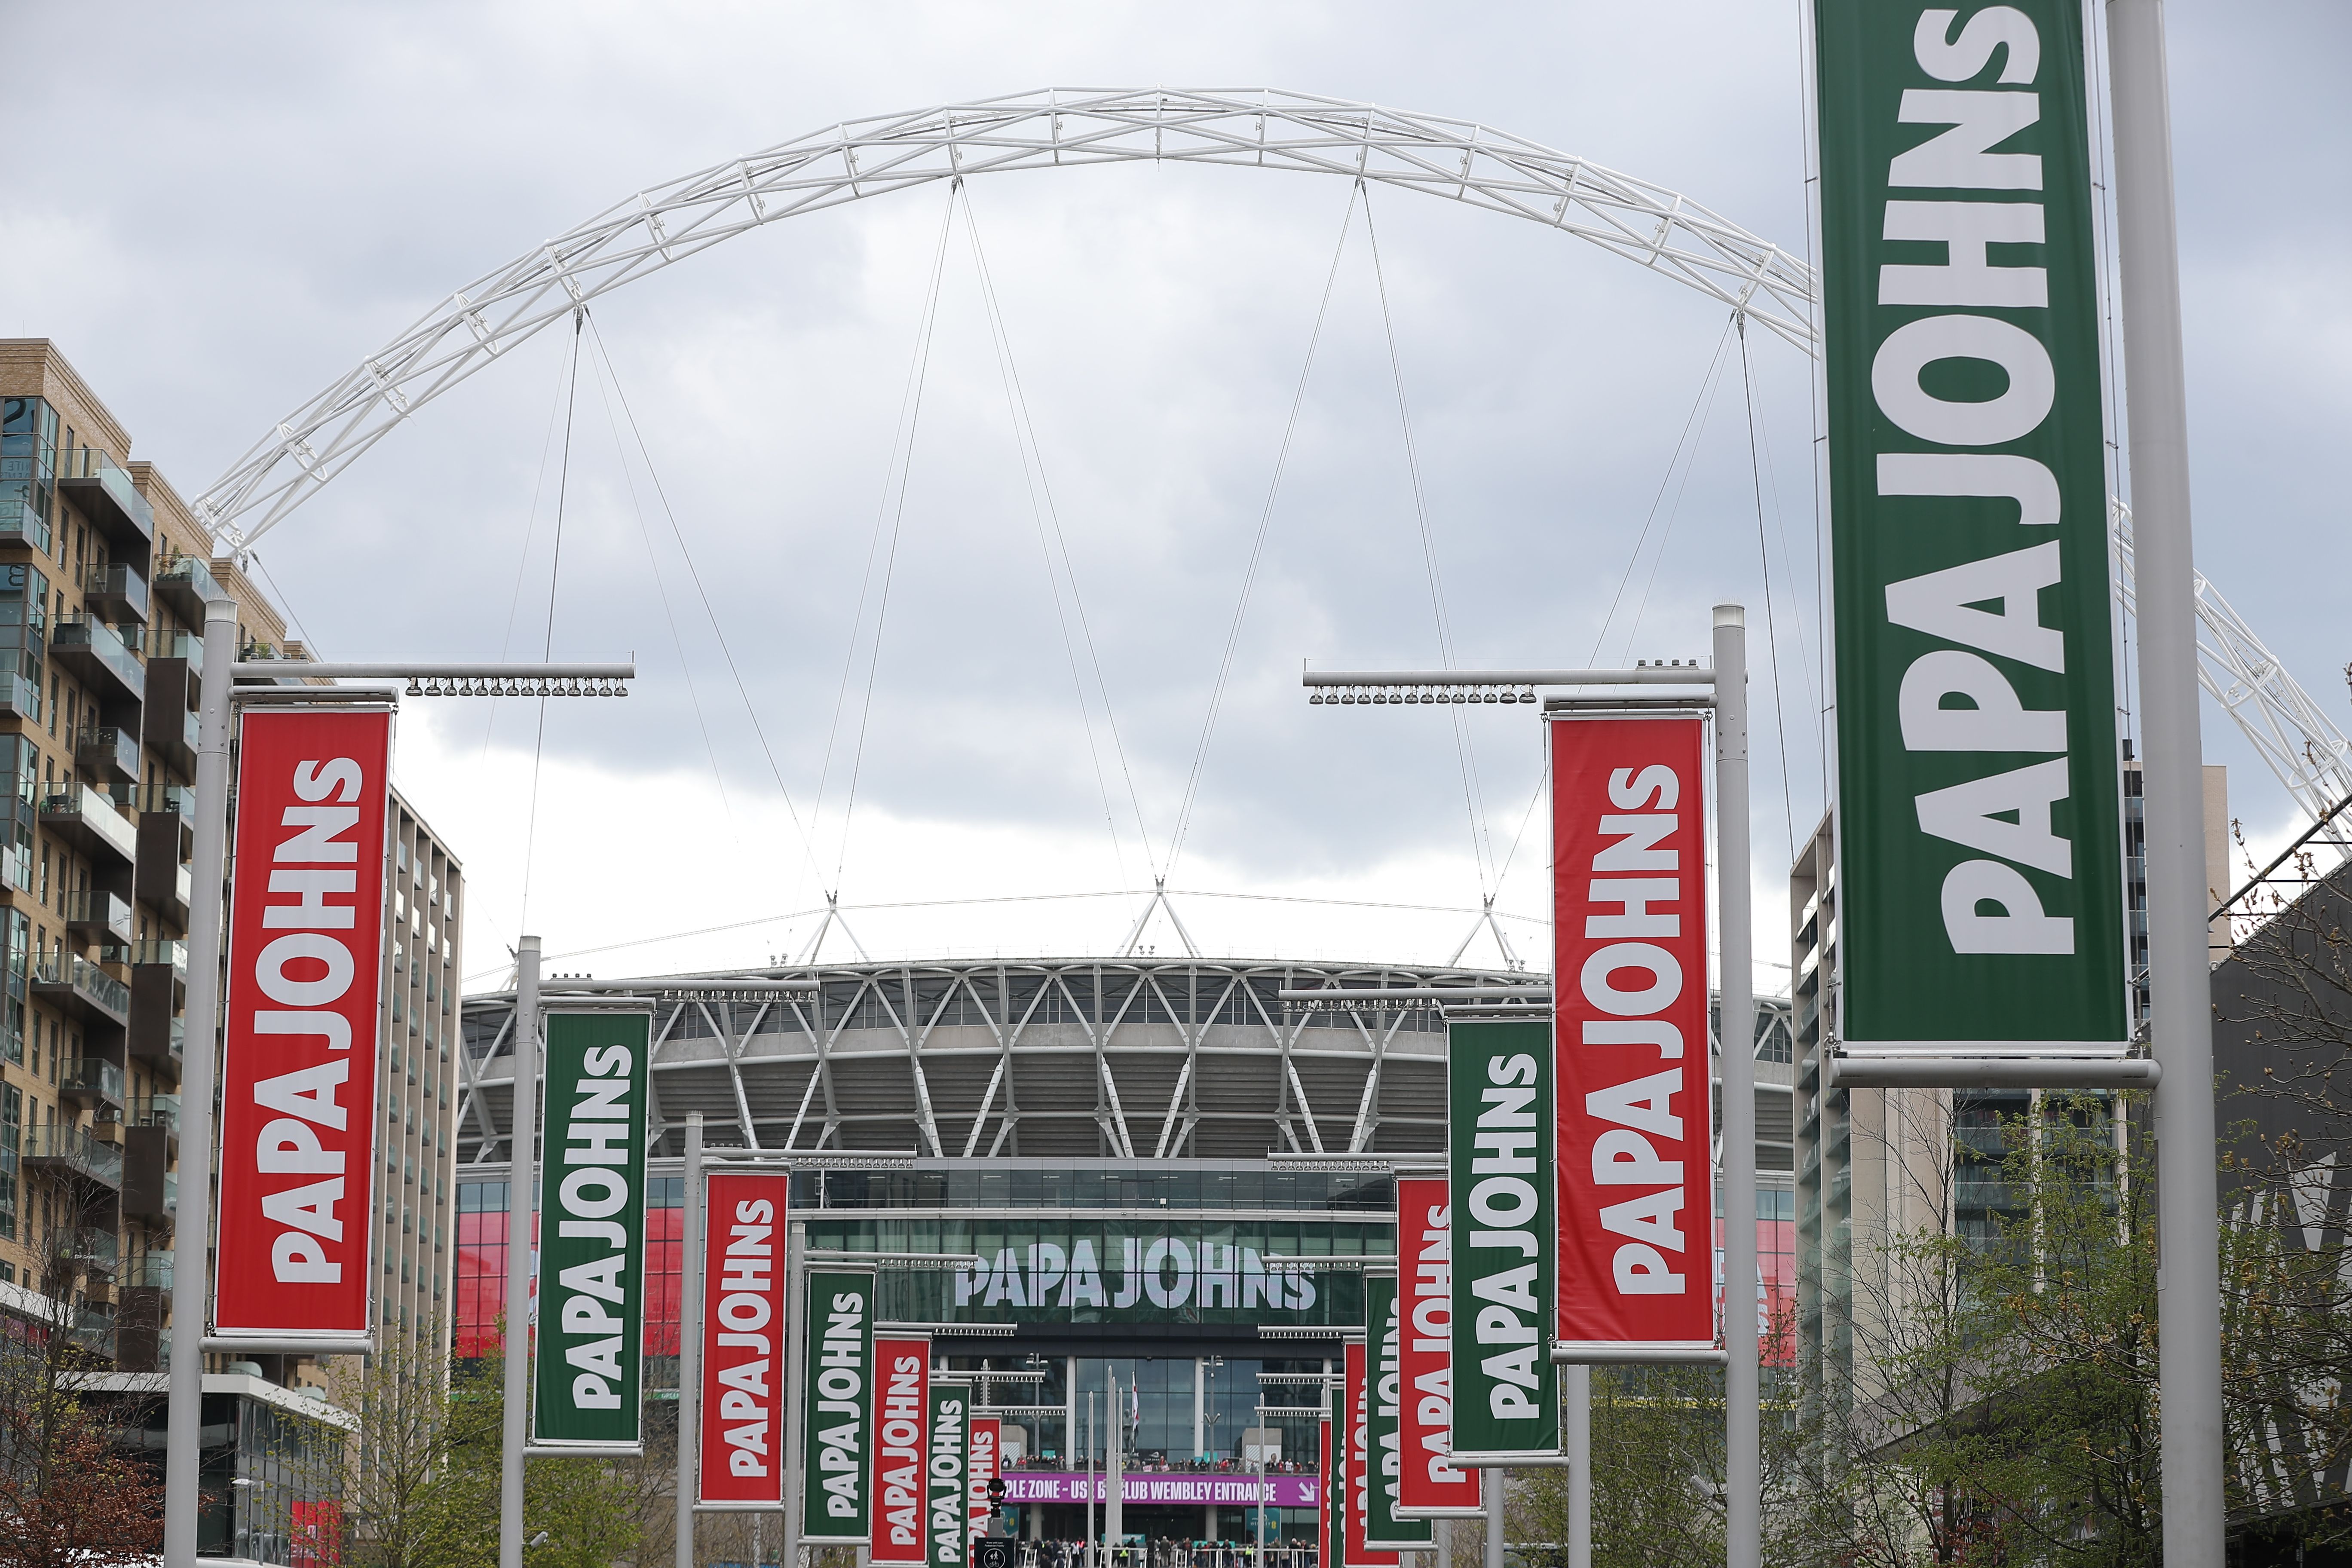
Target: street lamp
(221,669)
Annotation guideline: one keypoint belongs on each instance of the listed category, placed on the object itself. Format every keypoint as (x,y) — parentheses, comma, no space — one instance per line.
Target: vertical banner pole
(1743,1442)
(795,1368)
(1576,1417)
(522,1152)
(182,1455)
(689,1344)
(1497,1483)
(2188,1287)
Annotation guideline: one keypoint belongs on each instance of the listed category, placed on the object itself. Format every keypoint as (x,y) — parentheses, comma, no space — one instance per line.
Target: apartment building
(105,574)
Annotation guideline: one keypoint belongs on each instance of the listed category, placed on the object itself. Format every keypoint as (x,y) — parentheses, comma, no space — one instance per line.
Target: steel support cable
(1690,465)
(1771,622)
(554,578)
(564,371)
(1473,795)
(605,381)
(694,572)
(1634,560)
(1039,486)
(1020,899)
(902,456)
(1257,546)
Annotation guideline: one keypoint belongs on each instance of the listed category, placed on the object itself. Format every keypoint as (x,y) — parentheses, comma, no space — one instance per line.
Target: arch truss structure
(1458,160)
(1257,128)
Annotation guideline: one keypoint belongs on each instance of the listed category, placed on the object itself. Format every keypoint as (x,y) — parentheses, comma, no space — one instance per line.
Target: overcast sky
(216,211)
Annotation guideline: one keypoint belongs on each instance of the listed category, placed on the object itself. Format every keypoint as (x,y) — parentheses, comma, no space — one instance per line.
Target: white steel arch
(1253,128)
(1250,128)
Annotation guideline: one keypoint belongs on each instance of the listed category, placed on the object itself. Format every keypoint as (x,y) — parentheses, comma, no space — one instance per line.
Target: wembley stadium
(1169,1129)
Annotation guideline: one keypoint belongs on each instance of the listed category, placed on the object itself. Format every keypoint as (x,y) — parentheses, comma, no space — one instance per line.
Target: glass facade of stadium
(1095,1263)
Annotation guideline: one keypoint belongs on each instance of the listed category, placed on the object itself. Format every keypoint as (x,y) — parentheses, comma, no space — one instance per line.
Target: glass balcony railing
(91,649)
(155,1111)
(91,910)
(177,799)
(95,1248)
(106,492)
(85,980)
(175,953)
(120,589)
(149,1270)
(63,1146)
(20,697)
(93,1080)
(176,644)
(107,748)
(188,580)
(93,1330)
(80,806)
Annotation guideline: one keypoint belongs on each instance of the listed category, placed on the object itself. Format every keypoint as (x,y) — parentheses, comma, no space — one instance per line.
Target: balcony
(167,725)
(108,749)
(20,697)
(160,881)
(149,1190)
(117,593)
(101,657)
(148,1270)
(186,583)
(95,915)
(102,489)
(167,822)
(155,1111)
(90,821)
(158,1032)
(83,987)
(93,1331)
(61,1147)
(90,1247)
(93,1081)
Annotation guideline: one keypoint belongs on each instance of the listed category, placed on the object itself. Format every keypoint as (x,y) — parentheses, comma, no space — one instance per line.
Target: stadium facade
(1133,1148)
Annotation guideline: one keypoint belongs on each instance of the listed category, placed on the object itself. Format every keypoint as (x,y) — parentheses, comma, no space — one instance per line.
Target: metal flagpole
(794,1339)
(2187,1278)
(1736,1028)
(1497,1481)
(183,1451)
(689,1346)
(522,1161)
(1576,1424)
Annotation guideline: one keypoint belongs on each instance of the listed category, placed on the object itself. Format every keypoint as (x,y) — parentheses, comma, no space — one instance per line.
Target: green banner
(591,1252)
(1979,850)
(1498,1116)
(1384,1396)
(837,1426)
(947,1531)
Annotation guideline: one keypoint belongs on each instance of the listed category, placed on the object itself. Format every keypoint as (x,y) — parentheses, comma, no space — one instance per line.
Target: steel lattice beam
(1259,128)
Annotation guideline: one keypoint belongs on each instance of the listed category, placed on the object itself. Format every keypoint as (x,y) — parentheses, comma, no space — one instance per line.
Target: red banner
(902,1415)
(299,1066)
(742,1439)
(1634,1145)
(1356,1476)
(981,1468)
(1430,1486)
